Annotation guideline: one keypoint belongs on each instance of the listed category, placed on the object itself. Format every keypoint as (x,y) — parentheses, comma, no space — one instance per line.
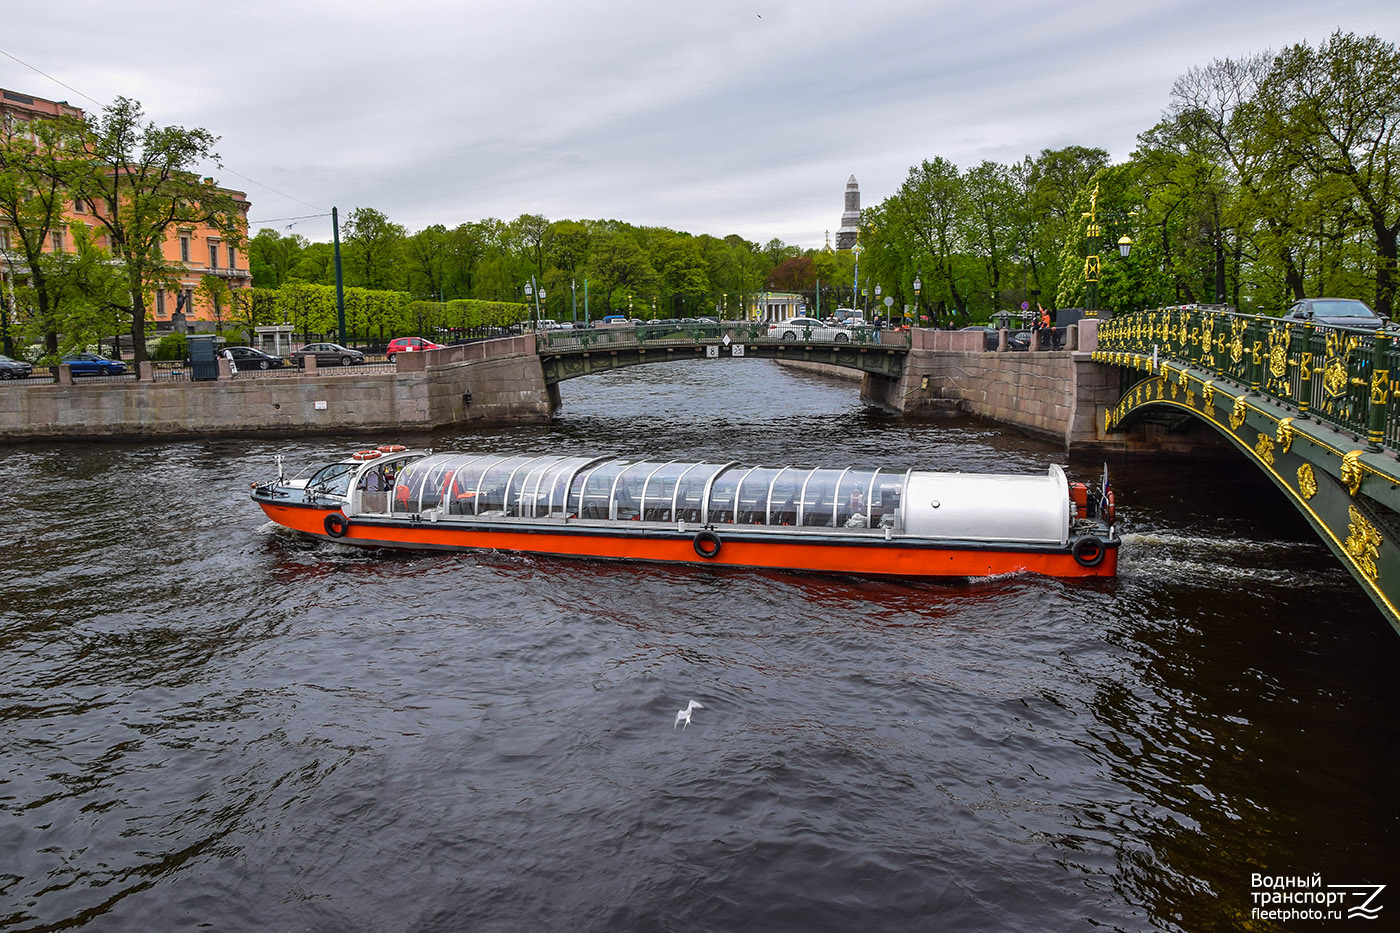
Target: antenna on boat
(280,477)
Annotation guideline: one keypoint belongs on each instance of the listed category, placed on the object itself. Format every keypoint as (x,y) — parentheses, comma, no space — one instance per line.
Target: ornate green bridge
(569,354)
(1310,406)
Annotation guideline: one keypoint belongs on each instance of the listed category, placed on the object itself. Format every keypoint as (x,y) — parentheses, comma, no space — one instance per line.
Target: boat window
(853,500)
(690,488)
(819,497)
(627,491)
(593,490)
(331,480)
(457,482)
(659,490)
(753,496)
(884,499)
(490,496)
(516,503)
(782,497)
(436,485)
(408,488)
(721,506)
(551,486)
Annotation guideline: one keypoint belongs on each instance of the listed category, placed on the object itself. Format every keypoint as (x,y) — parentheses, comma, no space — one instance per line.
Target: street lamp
(1125,245)
(917,285)
(877,304)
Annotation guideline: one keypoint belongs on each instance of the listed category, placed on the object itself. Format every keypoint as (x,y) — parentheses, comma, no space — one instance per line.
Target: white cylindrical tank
(988,507)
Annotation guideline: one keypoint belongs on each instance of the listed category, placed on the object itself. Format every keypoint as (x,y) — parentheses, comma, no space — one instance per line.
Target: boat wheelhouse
(916,523)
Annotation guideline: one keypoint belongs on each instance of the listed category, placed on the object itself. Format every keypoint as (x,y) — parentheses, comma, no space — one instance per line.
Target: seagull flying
(684,715)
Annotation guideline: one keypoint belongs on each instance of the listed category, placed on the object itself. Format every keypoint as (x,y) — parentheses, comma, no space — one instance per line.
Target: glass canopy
(625,489)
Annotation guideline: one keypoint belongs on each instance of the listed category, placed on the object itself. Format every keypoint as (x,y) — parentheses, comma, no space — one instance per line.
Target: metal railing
(1340,376)
(741,332)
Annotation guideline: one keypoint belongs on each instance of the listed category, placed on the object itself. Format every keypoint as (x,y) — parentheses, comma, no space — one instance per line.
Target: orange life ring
(391,448)
(366,455)
(1108,507)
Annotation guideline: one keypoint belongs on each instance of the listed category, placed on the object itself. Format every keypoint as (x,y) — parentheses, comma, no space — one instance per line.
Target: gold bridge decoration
(1237,328)
(1380,387)
(1307,481)
(1284,435)
(1363,543)
(1264,448)
(1237,414)
(1351,471)
(1278,358)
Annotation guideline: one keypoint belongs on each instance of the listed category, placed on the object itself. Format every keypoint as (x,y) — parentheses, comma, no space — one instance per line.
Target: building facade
(193,251)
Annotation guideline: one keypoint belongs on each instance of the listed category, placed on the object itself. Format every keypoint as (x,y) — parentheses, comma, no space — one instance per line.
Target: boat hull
(866,555)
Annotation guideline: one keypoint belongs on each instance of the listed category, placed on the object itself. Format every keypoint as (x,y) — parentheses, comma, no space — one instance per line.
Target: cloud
(716,118)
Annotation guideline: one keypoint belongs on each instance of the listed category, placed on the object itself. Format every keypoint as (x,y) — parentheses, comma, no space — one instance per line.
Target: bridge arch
(1346,490)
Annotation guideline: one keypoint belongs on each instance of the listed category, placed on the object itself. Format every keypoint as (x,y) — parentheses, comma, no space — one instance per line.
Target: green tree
(1336,109)
(372,249)
(140,183)
(37,169)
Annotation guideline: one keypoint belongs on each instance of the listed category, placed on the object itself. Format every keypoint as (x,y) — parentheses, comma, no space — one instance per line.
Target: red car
(409,345)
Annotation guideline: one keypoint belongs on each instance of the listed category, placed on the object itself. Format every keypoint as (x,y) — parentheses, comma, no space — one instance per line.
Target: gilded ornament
(1264,448)
(1380,387)
(1159,389)
(1238,413)
(1363,543)
(1307,481)
(1351,471)
(1175,388)
(1208,393)
(1285,434)
(1191,398)
(1183,378)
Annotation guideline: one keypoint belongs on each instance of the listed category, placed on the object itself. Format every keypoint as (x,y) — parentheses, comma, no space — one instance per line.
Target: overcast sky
(711,117)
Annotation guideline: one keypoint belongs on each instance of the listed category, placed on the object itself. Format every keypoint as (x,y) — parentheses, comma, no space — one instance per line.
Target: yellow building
(194,251)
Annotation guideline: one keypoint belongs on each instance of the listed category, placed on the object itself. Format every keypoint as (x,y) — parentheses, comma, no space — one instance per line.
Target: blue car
(90,364)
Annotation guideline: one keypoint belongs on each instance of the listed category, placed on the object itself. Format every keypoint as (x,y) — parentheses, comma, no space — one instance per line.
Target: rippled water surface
(206,721)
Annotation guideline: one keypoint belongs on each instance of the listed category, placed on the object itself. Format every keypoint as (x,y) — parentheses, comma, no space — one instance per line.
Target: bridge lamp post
(917,285)
(1092,232)
(529,297)
(1125,245)
(877,305)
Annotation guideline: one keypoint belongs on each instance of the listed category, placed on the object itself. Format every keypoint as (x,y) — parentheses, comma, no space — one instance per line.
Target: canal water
(208,722)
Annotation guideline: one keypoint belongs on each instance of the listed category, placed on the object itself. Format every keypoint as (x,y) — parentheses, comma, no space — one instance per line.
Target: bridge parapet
(1339,376)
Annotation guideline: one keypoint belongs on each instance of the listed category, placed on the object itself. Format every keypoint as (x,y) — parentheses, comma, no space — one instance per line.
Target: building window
(4,238)
(184,249)
(57,238)
(232,258)
(160,302)
(78,207)
(213,255)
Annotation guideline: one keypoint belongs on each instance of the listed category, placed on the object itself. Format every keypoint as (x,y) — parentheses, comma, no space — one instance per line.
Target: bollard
(145,371)
(65,374)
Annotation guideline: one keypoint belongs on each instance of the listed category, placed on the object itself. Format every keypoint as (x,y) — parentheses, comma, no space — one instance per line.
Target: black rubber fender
(707,544)
(1089,551)
(337,524)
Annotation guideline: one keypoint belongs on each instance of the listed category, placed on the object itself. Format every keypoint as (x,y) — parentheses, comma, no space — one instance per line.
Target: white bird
(684,715)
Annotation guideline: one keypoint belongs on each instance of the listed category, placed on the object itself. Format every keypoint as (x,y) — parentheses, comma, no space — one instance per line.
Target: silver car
(807,329)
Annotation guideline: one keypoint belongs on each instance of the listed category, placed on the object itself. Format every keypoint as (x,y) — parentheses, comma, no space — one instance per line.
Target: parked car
(328,354)
(807,328)
(248,358)
(407,345)
(1336,312)
(90,364)
(14,369)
